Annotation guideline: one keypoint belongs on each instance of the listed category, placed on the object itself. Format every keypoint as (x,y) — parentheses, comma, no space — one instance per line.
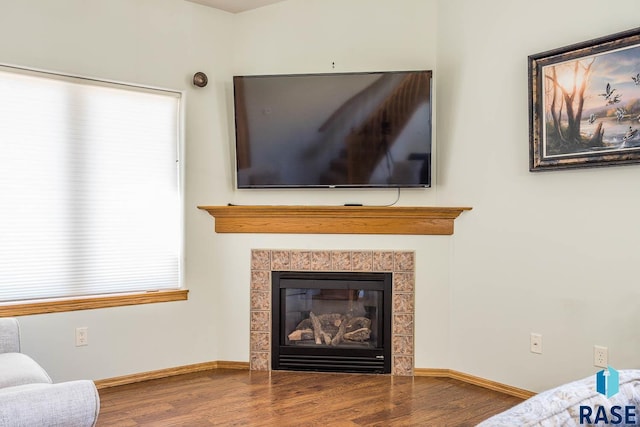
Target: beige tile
(362,261)
(404,261)
(300,260)
(261,280)
(260,361)
(260,341)
(260,259)
(402,324)
(280,260)
(321,260)
(260,300)
(402,365)
(403,303)
(261,321)
(341,260)
(403,282)
(402,345)
(382,261)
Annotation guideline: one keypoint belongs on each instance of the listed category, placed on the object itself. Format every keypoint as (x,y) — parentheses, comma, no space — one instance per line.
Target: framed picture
(584,104)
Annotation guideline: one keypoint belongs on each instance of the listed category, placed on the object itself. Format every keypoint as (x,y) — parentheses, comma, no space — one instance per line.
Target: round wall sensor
(200,79)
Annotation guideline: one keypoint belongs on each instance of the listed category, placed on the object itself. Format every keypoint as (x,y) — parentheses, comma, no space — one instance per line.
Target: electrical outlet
(82,336)
(600,356)
(536,343)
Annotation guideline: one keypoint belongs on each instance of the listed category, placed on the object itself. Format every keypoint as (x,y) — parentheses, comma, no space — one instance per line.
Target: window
(89,191)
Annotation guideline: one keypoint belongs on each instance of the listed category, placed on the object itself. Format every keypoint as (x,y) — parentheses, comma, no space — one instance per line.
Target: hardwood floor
(225,397)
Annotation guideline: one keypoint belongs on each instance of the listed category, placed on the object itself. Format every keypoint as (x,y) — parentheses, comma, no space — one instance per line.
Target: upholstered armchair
(29,398)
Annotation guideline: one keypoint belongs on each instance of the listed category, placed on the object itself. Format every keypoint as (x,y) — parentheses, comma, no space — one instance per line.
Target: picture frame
(584,104)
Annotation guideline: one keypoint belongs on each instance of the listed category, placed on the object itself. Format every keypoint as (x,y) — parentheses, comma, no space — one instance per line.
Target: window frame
(106,300)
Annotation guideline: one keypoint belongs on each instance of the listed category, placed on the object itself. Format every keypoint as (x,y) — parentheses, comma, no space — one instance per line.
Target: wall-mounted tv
(370,129)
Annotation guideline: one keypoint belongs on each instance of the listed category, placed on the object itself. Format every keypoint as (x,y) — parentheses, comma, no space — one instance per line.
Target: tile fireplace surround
(400,263)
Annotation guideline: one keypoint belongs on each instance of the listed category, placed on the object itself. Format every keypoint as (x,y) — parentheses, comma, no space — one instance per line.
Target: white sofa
(28,398)
(560,406)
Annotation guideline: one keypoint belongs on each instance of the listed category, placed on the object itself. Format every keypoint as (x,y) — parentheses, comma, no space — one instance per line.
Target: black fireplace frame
(326,359)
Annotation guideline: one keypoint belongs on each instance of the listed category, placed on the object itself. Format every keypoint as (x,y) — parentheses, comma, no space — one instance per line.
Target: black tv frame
(425,157)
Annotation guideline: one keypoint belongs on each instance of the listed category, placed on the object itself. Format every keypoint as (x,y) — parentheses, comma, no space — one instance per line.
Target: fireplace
(399,264)
(331,321)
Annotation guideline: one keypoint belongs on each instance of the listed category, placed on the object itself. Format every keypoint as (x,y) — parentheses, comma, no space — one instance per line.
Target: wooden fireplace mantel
(334,219)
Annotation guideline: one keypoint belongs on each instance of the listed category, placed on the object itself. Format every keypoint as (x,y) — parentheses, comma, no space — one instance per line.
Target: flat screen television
(368,129)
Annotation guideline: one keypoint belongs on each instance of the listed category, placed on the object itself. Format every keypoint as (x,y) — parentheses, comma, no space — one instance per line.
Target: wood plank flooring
(225,397)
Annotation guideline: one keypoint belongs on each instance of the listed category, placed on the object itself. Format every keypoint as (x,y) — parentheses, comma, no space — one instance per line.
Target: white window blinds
(89,193)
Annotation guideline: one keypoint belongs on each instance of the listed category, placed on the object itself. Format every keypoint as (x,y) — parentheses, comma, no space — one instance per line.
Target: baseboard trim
(472,379)
(169,372)
(222,364)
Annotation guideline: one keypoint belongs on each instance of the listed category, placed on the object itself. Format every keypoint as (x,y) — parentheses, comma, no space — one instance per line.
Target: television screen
(333,130)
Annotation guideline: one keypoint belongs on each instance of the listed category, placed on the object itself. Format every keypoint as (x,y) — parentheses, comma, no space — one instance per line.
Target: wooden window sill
(60,305)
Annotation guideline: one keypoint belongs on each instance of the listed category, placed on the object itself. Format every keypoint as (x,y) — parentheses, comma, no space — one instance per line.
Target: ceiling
(235,6)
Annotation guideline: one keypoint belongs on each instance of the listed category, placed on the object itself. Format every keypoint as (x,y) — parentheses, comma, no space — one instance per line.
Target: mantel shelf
(334,219)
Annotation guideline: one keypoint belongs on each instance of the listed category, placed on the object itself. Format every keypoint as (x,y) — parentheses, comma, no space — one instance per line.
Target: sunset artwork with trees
(592,104)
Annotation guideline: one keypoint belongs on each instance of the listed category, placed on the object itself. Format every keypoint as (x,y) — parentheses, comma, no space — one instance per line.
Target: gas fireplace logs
(332,329)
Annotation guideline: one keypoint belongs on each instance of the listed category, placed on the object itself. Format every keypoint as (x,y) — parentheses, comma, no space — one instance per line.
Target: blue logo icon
(608,382)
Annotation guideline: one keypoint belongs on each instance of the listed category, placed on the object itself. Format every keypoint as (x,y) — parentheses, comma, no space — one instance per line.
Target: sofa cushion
(9,335)
(18,369)
(67,404)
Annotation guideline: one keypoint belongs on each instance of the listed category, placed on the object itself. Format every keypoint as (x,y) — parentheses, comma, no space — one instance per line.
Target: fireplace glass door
(331,321)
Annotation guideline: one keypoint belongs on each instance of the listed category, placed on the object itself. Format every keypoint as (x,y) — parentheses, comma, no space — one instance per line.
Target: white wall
(307,36)
(555,252)
(551,253)
(150,42)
